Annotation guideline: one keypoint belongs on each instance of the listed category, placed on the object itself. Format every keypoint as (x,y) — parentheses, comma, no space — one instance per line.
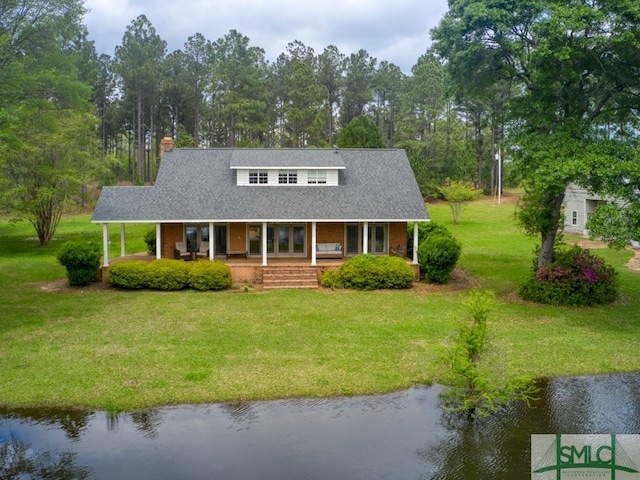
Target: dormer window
(287,176)
(287,167)
(317,177)
(258,177)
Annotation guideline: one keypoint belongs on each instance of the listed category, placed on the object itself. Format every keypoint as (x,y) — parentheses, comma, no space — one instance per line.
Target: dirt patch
(62,286)
(459,280)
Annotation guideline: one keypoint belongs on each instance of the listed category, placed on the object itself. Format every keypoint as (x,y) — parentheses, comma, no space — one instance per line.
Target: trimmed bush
(370,272)
(128,274)
(437,256)
(396,272)
(575,277)
(424,230)
(167,274)
(331,279)
(82,261)
(208,275)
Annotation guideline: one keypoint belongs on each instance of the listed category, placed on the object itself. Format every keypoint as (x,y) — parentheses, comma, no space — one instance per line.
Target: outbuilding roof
(199,185)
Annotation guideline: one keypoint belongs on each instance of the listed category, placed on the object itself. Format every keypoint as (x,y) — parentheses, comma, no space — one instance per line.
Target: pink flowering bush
(574,277)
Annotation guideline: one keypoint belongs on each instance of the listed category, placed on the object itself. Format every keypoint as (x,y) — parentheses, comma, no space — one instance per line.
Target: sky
(393,30)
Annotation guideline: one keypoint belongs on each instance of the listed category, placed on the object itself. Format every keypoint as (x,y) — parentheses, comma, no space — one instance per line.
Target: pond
(402,435)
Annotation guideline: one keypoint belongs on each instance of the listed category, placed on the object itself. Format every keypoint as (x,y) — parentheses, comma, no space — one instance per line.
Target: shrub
(150,240)
(369,272)
(437,256)
(82,261)
(331,279)
(458,195)
(481,384)
(167,274)
(396,272)
(575,277)
(424,230)
(208,275)
(129,274)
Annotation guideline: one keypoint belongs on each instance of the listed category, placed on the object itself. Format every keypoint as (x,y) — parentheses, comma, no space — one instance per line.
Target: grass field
(121,350)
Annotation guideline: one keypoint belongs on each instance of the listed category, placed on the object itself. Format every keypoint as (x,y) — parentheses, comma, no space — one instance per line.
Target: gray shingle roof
(199,185)
(286,158)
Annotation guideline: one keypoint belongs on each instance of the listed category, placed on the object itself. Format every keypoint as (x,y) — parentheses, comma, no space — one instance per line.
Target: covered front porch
(272,242)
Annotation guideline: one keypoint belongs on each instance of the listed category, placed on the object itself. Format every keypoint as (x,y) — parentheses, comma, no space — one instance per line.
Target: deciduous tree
(46,125)
(575,67)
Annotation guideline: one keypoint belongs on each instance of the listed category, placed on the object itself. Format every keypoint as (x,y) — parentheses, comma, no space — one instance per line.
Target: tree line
(551,86)
(224,93)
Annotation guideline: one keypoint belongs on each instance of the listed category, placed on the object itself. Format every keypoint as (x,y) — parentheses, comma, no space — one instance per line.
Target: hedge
(169,274)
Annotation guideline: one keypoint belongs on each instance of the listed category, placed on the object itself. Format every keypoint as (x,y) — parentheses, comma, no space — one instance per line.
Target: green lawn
(125,350)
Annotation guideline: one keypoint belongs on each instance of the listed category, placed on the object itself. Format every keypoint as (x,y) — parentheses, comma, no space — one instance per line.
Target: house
(579,204)
(259,205)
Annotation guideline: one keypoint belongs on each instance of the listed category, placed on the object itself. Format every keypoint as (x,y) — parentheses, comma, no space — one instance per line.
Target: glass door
(298,240)
(255,247)
(271,244)
(220,239)
(283,240)
(377,239)
(353,239)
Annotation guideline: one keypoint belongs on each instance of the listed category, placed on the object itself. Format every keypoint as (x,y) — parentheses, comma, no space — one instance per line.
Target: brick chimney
(166,144)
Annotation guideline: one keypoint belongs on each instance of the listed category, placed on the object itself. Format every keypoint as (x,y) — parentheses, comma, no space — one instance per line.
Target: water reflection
(403,435)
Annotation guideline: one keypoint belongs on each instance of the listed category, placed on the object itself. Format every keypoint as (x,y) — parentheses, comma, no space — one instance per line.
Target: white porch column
(212,245)
(105,245)
(264,244)
(158,241)
(415,243)
(365,237)
(123,249)
(313,243)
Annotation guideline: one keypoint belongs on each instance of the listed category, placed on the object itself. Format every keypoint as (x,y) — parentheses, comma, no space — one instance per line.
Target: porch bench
(328,250)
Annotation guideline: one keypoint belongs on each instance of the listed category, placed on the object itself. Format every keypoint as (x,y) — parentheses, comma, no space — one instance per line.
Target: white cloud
(397,31)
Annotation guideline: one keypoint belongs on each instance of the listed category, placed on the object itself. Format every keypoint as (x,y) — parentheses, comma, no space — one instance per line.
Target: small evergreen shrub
(82,261)
(370,272)
(150,240)
(167,274)
(208,275)
(396,272)
(129,274)
(331,279)
(437,256)
(360,273)
(575,277)
(424,230)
